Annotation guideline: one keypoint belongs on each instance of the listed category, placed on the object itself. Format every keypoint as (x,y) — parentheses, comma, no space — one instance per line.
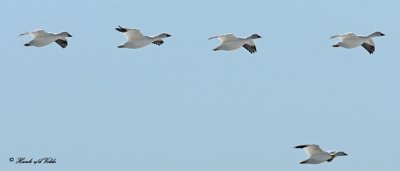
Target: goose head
(255,36)
(164,35)
(339,153)
(65,34)
(376,34)
(335,154)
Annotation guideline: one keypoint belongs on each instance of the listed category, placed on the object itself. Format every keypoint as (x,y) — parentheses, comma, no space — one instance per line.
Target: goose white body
(42,38)
(317,155)
(351,40)
(135,39)
(231,42)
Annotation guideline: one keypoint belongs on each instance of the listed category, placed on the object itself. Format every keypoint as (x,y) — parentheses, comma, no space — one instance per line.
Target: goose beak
(168,35)
(345,154)
(69,35)
(382,34)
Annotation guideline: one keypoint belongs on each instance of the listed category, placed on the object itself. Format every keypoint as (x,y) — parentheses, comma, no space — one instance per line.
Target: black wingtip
(158,42)
(250,48)
(62,43)
(301,146)
(369,48)
(121,29)
(27,44)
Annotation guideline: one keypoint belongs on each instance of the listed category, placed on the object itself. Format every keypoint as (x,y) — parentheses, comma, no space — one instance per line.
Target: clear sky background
(182,106)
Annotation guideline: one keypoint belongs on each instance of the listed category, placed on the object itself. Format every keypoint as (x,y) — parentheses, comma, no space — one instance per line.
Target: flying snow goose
(350,40)
(43,38)
(231,42)
(137,40)
(317,155)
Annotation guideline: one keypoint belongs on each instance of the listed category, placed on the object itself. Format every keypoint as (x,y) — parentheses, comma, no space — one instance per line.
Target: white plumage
(43,38)
(351,40)
(231,42)
(137,40)
(317,155)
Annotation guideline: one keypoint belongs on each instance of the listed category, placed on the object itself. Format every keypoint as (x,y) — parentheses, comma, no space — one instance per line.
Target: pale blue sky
(184,107)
